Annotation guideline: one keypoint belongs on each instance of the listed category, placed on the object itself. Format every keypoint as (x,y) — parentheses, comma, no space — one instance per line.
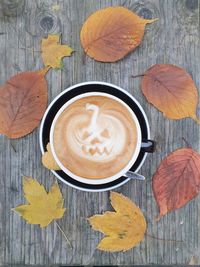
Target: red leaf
(177,180)
(23,100)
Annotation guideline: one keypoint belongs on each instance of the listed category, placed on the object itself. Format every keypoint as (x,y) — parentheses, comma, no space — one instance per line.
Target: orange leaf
(53,51)
(124,228)
(177,180)
(23,100)
(171,90)
(110,34)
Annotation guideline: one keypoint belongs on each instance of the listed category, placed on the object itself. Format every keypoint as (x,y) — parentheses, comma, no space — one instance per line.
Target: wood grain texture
(174,39)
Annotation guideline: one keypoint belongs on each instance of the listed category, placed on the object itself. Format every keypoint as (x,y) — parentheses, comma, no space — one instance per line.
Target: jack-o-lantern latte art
(95,137)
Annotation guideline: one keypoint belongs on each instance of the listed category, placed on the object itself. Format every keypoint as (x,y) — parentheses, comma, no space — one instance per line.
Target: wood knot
(11,8)
(47,23)
(13,188)
(147,10)
(145,13)
(39,20)
(191,4)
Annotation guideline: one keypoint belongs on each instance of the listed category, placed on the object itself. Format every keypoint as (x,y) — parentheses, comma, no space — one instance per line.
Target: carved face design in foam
(94,138)
(102,139)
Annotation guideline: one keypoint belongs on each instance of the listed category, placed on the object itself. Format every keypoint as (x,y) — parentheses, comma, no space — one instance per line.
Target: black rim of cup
(86,88)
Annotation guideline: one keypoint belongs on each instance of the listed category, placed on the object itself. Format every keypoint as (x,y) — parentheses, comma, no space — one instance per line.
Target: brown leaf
(171,90)
(23,100)
(124,228)
(177,180)
(111,33)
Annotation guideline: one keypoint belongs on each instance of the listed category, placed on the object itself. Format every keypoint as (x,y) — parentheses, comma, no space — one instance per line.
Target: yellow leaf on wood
(53,51)
(48,160)
(124,228)
(43,207)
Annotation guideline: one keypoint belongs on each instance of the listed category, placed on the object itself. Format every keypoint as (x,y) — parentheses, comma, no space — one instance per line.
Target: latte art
(97,141)
(95,137)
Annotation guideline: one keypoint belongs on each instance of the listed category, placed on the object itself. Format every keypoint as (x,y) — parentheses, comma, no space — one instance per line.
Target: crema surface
(95,137)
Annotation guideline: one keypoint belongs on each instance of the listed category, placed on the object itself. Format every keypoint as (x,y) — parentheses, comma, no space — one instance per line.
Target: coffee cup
(96,137)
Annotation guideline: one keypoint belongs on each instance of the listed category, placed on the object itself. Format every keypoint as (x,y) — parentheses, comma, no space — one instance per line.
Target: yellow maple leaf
(43,207)
(124,228)
(48,160)
(53,51)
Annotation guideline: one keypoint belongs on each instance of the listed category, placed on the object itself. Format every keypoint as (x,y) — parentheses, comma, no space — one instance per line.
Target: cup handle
(148,146)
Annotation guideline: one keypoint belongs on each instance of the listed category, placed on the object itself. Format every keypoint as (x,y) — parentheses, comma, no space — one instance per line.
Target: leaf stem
(44,70)
(83,58)
(151,20)
(136,76)
(186,142)
(197,120)
(165,240)
(13,146)
(63,233)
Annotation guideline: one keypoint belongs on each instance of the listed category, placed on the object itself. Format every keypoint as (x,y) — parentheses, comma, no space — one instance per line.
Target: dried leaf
(53,51)
(124,228)
(111,33)
(177,180)
(23,101)
(171,90)
(43,207)
(48,160)
(193,261)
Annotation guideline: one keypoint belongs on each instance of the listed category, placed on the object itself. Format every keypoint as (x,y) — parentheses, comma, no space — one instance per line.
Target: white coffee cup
(122,171)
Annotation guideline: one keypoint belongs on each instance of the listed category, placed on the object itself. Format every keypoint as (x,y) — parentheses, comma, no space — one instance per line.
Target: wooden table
(173,39)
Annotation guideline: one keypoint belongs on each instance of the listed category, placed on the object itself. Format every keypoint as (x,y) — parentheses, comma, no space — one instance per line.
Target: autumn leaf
(171,90)
(53,51)
(42,207)
(193,261)
(111,33)
(177,180)
(124,228)
(23,101)
(48,160)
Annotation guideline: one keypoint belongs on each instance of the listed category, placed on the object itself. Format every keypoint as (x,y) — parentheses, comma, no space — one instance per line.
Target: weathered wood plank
(173,39)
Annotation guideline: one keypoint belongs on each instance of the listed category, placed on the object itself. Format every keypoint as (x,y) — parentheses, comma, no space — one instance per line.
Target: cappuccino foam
(95,137)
